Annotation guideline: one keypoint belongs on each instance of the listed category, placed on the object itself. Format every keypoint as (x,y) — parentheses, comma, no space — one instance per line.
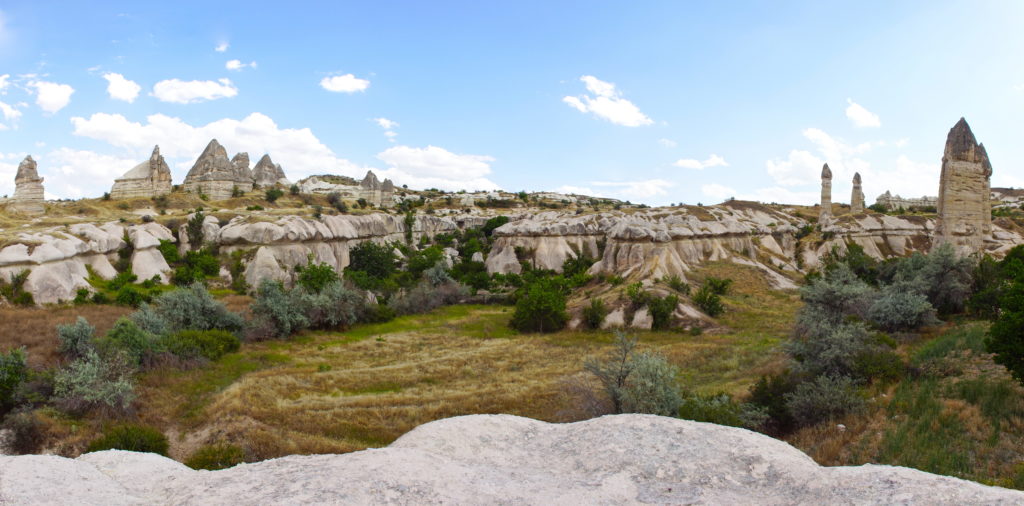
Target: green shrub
(130,437)
(661,309)
(216,456)
(194,230)
(718,286)
(26,432)
(74,339)
(834,353)
(14,290)
(13,372)
(708,301)
(294,189)
(208,344)
(769,393)
(277,314)
(379,313)
(335,200)
(637,295)
(472,274)
(336,305)
(137,344)
(541,308)
(426,296)
(676,283)
(824,398)
(578,265)
(879,364)
(129,295)
(169,250)
(94,382)
(315,276)
(594,314)
(900,308)
(722,409)
(830,299)
(637,382)
(192,308)
(273,194)
(492,224)
(376,260)
(1006,335)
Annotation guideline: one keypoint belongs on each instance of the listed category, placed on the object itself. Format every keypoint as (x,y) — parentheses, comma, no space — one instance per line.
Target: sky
(653,102)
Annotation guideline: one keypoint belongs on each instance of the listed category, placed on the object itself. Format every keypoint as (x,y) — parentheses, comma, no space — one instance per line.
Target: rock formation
(148,179)
(826,195)
(965,214)
(892,203)
(503,459)
(377,193)
(857,196)
(28,189)
(215,176)
(267,173)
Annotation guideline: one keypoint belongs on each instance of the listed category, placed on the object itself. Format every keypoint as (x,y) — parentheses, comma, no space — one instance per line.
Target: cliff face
(645,244)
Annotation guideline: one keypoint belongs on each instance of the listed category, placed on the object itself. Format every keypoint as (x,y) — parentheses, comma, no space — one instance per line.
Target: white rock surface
(503,459)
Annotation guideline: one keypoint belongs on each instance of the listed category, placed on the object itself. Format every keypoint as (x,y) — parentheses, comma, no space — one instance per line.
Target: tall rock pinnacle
(965,213)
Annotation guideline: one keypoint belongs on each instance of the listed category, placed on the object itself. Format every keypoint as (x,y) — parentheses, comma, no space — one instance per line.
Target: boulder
(503,459)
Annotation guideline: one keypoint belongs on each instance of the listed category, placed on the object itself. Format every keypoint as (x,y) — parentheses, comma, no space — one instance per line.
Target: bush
(192,308)
(169,250)
(769,393)
(426,296)
(26,433)
(273,194)
(541,308)
(94,382)
(578,265)
(824,398)
(708,301)
(636,294)
(208,344)
(194,230)
(335,200)
(335,306)
(899,308)
(661,309)
(834,353)
(216,456)
(294,189)
(376,260)
(138,345)
(75,339)
(594,314)
(637,382)
(718,286)
(315,276)
(277,314)
(879,364)
(1006,335)
(13,372)
(130,437)
(829,299)
(721,409)
(129,295)
(14,291)
(676,283)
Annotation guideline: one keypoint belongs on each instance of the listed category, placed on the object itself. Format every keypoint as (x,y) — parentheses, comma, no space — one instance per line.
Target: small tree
(541,308)
(273,194)
(194,230)
(75,339)
(315,276)
(594,314)
(637,382)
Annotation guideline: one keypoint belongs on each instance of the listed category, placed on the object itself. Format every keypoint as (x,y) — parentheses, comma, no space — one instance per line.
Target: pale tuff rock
(826,194)
(965,215)
(28,189)
(377,193)
(503,459)
(150,178)
(892,203)
(857,196)
(215,176)
(266,173)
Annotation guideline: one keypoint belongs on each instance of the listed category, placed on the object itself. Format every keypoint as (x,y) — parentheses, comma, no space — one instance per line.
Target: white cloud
(717,191)
(668,143)
(347,83)
(51,97)
(80,173)
(222,47)
(190,92)
(607,103)
(636,190)
(578,190)
(10,112)
(4,83)
(238,65)
(720,193)
(385,123)
(860,116)
(801,168)
(712,161)
(298,151)
(120,88)
(434,167)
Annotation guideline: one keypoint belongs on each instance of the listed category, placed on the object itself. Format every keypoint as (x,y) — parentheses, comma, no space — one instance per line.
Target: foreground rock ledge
(503,459)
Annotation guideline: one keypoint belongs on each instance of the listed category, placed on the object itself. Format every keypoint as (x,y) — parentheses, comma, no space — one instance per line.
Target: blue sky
(655,102)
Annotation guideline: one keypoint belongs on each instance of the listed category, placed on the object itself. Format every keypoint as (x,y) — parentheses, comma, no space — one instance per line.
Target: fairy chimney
(965,213)
(28,189)
(826,194)
(857,197)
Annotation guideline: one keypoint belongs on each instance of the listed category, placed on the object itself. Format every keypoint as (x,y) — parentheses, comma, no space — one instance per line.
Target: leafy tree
(595,313)
(541,308)
(315,276)
(376,260)
(194,230)
(13,372)
(493,223)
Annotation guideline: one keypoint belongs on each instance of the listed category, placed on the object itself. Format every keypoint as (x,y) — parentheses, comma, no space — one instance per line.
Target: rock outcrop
(150,178)
(503,459)
(826,195)
(857,195)
(215,176)
(965,213)
(266,173)
(29,195)
(377,193)
(893,203)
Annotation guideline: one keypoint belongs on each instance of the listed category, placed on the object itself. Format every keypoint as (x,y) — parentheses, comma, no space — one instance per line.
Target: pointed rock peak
(856,178)
(214,149)
(960,143)
(156,151)
(826,173)
(370,181)
(265,160)
(27,169)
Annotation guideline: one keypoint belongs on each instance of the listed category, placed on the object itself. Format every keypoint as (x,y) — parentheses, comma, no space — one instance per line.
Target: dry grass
(36,328)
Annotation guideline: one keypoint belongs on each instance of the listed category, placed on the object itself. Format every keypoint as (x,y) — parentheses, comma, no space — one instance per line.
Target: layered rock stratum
(29,195)
(215,176)
(150,178)
(503,459)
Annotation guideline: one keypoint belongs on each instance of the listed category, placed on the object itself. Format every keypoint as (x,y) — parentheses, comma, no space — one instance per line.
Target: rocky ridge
(503,459)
